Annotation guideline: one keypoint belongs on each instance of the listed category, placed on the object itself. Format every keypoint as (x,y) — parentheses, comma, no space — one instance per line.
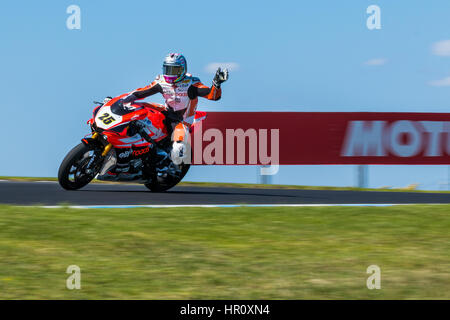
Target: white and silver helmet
(174,67)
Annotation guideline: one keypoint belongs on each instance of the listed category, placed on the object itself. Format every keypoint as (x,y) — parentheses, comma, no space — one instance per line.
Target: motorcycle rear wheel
(164,184)
(71,173)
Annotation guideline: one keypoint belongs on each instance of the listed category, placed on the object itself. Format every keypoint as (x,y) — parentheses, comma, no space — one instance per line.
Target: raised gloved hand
(220,77)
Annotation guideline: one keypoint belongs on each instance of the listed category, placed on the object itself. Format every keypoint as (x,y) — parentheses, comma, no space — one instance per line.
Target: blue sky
(287,56)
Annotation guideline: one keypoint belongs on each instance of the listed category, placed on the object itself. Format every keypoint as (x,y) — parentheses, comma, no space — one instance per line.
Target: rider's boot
(180,147)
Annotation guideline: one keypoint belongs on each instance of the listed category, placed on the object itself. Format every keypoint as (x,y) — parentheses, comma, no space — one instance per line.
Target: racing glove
(128,99)
(220,77)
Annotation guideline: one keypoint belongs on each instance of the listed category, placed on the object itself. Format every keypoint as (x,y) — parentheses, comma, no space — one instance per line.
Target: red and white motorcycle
(127,143)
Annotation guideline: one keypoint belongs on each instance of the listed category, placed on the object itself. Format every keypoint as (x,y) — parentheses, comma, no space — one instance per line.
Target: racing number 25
(107,118)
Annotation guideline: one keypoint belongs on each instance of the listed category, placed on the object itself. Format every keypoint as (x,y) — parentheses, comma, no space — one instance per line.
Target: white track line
(29,181)
(238,205)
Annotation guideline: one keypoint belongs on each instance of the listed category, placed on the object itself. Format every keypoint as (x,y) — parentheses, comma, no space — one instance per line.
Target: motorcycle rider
(180,91)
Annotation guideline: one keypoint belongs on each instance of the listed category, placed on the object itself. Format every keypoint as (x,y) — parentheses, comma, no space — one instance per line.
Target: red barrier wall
(323,138)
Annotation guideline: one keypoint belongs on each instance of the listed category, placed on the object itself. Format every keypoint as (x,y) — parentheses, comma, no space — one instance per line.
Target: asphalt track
(50,194)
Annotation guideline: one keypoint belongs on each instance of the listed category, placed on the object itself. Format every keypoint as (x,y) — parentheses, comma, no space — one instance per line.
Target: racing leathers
(181,100)
(181,97)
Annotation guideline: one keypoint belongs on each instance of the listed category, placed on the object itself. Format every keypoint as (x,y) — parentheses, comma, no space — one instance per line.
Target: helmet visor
(172,70)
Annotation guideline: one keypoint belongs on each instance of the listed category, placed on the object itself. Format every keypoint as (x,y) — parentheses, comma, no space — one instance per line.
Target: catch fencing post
(263,178)
(362,176)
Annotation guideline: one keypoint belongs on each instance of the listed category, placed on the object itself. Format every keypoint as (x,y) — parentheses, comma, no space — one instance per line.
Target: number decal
(107,118)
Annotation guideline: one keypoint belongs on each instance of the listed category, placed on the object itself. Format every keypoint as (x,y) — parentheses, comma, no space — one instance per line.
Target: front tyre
(79,167)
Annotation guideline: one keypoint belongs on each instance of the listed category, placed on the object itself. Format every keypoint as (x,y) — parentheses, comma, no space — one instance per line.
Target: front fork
(107,149)
(95,139)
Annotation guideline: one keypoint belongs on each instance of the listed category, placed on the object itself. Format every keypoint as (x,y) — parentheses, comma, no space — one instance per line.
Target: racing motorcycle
(127,143)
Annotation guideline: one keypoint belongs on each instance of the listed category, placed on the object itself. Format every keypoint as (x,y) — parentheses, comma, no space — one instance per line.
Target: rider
(181,91)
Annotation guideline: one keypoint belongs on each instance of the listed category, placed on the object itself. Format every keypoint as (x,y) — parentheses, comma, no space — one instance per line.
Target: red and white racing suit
(181,97)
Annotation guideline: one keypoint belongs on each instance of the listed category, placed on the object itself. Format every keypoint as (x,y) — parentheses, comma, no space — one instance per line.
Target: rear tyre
(77,169)
(163,184)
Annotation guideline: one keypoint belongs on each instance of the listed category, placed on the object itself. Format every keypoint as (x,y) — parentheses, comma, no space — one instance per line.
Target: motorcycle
(129,143)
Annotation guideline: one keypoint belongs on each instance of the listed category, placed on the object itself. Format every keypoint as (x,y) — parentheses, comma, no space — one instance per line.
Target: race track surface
(50,193)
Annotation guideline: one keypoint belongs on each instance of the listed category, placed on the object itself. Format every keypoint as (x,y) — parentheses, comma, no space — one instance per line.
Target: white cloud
(441,83)
(376,62)
(441,48)
(212,67)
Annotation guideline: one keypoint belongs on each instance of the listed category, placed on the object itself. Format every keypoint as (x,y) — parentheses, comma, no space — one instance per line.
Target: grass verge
(223,253)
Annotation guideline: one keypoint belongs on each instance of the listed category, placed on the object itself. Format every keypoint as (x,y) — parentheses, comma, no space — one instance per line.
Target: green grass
(223,253)
(249,185)
(28,178)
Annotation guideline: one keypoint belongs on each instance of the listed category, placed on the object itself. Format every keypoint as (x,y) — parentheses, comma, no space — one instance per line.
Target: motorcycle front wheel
(79,167)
